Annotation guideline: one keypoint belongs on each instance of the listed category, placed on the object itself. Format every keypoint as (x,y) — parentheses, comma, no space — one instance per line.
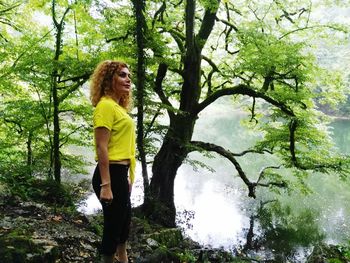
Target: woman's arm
(102,136)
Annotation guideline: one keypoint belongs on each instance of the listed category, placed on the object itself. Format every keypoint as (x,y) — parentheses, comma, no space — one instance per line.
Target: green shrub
(30,188)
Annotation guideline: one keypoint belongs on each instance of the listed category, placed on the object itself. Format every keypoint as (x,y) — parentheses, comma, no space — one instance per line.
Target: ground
(35,232)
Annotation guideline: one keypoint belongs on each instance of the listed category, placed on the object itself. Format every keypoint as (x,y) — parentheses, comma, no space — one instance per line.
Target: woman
(114,133)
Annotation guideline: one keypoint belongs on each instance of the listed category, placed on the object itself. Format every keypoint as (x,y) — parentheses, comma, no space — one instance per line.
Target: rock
(4,192)
(152,243)
(28,233)
(171,237)
(21,248)
(32,232)
(323,253)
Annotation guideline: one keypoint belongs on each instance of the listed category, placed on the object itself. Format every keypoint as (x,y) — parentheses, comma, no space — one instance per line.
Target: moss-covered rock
(171,237)
(151,243)
(324,253)
(21,247)
(32,232)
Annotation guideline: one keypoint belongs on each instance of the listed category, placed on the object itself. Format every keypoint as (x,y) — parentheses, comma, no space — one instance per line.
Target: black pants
(117,215)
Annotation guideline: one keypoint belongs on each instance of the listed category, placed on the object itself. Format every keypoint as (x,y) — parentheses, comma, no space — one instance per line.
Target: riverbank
(32,231)
(35,232)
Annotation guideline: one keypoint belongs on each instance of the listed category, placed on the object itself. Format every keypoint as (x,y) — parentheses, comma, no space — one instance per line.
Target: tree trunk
(30,153)
(160,206)
(56,104)
(56,136)
(55,96)
(139,6)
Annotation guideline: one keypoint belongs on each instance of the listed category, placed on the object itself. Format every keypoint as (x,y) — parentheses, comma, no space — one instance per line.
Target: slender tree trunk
(55,97)
(56,104)
(139,7)
(56,135)
(30,153)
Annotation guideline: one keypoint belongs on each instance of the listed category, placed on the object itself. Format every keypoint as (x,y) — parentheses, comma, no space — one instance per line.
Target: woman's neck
(115,98)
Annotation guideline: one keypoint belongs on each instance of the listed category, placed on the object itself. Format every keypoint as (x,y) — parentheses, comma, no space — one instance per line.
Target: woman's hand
(106,194)
(130,185)
(102,136)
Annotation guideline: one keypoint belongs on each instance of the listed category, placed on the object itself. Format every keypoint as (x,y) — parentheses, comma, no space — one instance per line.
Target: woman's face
(122,82)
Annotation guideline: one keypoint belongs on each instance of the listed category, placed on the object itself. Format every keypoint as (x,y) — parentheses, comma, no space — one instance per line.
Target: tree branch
(227,23)
(65,138)
(292,129)
(76,35)
(85,77)
(71,89)
(16,123)
(64,15)
(211,63)
(179,38)
(9,23)
(158,87)
(210,75)
(54,14)
(2,12)
(241,89)
(189,22)
(252,110)
(230,156)
(207,25)
(262,172)
(160,13)
(119,38)
(252,151)
(150,125)
(308,27)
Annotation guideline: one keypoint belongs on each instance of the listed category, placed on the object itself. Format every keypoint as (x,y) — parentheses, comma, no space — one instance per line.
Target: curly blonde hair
(101,83)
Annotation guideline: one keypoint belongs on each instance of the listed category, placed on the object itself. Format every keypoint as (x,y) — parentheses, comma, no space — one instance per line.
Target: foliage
(345,250)
(329,253)
(186,256)
(260,53)
(96,224)
(286,229)
(27,108)
(25,187)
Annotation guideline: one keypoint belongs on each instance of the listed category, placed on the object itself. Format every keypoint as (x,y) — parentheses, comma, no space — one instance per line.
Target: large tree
(259,54)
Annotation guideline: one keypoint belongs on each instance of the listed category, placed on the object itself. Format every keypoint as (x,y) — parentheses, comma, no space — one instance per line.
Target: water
(214,209)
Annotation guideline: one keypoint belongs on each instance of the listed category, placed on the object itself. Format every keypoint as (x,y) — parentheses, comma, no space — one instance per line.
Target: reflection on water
(287,232)
(213,208)
(341,134)
(90,206)
(217,219)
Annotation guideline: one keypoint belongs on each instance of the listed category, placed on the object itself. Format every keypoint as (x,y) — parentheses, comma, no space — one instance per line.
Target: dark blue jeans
(117,215)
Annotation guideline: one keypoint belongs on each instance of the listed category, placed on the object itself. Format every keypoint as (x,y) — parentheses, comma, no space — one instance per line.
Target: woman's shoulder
(106,102)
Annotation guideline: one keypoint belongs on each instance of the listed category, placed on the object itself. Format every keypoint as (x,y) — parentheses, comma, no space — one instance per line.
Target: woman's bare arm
(102,136)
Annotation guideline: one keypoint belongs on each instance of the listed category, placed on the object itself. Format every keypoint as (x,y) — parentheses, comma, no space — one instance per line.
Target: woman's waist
(123,162)
(126,159)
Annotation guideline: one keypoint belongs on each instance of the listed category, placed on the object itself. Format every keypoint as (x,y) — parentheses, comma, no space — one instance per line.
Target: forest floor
(36,232)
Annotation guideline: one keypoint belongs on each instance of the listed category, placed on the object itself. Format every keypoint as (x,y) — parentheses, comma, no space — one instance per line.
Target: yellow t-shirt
(115,118)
